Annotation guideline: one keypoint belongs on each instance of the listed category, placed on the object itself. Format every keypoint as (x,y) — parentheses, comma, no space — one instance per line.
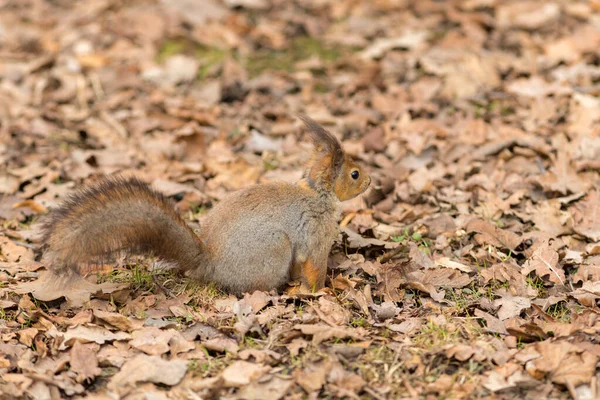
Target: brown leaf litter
(469,270)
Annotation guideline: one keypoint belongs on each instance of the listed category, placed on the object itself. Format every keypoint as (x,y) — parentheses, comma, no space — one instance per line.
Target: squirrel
(258,238)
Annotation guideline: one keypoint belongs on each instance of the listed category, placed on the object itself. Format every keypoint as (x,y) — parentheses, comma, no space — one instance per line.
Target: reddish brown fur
(117,214)
(256,239)
(327,158)
(312,274)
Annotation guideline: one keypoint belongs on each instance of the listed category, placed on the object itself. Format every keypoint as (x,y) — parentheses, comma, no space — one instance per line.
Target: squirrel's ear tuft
(328,155)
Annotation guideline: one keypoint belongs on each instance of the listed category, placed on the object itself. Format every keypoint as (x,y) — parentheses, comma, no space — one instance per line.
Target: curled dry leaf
(356,241)
(448,263)
(27,335)
(117,320)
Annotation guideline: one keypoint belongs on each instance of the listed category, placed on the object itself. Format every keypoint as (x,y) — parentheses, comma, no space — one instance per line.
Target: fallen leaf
(83,361)
(144,368)
(320,333)
(86,334)
(27,335)
(565,363)
(511,306)
(117,320)
(587,216)
(15,253)
(544,262)
(312,377)
(447,263)
(241,373)
(72,287)
(493,235)
(275,388)
(150,340)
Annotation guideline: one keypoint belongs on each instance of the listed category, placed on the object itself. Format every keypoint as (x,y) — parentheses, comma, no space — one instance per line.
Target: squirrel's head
(330,168)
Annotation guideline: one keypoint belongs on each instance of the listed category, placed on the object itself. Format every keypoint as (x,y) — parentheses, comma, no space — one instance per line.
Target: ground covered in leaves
(470,269)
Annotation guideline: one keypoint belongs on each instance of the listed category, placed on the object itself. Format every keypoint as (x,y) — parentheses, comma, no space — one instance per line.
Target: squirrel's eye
(354,174)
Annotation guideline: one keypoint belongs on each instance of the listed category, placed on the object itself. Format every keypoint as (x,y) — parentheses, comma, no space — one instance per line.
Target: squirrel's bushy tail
(117,215)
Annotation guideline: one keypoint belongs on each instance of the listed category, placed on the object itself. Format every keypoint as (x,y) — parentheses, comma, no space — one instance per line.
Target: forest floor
(470,269)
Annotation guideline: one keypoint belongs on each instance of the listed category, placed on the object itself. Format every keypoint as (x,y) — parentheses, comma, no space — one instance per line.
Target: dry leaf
(241,373)
(86,334)
(143,368)
(511,306)
(544,262)
(151,340)
(83,361)
(72,287)
(587,216)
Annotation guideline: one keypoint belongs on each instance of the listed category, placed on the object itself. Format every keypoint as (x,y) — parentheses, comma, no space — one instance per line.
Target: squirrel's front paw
(304,289)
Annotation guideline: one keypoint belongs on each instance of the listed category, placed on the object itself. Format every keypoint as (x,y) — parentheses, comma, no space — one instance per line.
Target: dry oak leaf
(548,217)
(27,335)
(72,287)
(345,381)
(178,344)
(493,324)
(274,389)
(15,253)
(527,14)
(333,312)
(565,363)
(83,361)
(429,280)
(562,177)
(544,261)
(221,344)
(95,334)
(587,273)
(508,376)
(241,373)
(448,263)
(320,333)
(527,332)
(119,321)
(257,300)
(586,214)
(480,351)
(491,234)
(509,272)
(587,294)
(144,368)
(151,340)
(511,306)
(356,241)
(313,377)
